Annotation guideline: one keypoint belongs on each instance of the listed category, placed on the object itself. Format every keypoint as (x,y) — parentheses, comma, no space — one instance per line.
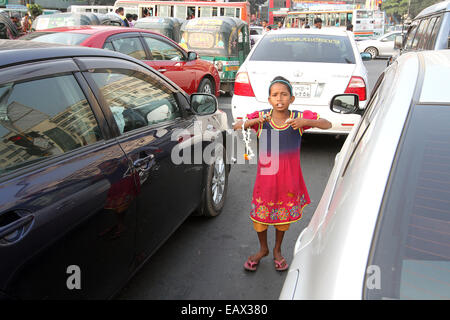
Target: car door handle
(143,164)
(162,70)
(19,225)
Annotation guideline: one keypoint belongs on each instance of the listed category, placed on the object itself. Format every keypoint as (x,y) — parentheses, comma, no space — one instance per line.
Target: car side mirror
(192,56)
(366,56)
(203,103)
(345,104)
(398,42)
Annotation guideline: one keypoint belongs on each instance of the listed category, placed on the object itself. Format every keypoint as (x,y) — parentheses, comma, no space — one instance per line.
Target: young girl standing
(279,195)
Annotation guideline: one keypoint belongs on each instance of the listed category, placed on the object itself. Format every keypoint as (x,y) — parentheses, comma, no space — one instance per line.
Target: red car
(159,52)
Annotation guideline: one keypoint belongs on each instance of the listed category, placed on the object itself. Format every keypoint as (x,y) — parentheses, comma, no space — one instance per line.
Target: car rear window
(412,245)
(57,37)
(304,48)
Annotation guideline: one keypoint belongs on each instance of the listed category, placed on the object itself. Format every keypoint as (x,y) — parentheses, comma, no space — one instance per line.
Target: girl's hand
(298,123)
(264,118)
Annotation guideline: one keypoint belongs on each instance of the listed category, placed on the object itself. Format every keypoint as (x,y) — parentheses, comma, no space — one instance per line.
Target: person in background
(15,30)
(280,24)
(350,27)
(130,20)
(119,12)
(15,18)
(264,25)
(317,23)
(26,23)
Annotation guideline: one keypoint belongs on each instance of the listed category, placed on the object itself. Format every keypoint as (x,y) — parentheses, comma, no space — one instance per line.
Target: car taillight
(357,86)
(242,86)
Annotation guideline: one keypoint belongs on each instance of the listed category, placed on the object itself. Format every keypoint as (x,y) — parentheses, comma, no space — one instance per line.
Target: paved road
(204,258)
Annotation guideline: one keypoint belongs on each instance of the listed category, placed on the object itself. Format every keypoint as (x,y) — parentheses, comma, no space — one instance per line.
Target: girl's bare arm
(299,123)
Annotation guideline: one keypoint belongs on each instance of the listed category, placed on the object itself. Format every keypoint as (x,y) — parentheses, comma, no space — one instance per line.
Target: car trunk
(313,83)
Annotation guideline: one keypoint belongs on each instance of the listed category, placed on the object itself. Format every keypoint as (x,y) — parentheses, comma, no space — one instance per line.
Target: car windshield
(304,48)
(57,37)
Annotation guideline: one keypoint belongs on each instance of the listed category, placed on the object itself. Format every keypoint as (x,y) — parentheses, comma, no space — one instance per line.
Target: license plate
(302,90)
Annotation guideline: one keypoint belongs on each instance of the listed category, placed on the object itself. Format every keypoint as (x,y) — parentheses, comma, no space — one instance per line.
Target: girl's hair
(281,80)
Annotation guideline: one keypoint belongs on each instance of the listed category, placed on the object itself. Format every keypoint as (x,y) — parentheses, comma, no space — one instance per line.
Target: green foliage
(399,8)
(35,10)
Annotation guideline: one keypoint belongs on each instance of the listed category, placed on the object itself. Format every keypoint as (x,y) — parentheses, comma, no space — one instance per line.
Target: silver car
(382,227)
(382,46)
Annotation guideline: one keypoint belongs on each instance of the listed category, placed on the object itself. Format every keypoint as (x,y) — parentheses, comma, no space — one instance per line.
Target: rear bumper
(341,123)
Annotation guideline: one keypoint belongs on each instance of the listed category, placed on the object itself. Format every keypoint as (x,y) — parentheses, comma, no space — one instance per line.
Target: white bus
(366,23)
(185,9)
(94,9)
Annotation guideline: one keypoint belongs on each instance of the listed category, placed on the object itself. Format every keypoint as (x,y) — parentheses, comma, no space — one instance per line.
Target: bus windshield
(211,37)
(211,43)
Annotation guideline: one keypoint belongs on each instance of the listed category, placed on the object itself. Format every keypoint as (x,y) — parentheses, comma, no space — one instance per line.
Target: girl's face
(280,97)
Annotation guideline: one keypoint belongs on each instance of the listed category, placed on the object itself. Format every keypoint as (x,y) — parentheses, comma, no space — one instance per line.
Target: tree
(399,8)
(419,5)
(35,10)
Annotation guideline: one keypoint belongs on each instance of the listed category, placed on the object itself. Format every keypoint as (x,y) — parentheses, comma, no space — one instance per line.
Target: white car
(256,33)
(382,227)
(382,46)
(318,63)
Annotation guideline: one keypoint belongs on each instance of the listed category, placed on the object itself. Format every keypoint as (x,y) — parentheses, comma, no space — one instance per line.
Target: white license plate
(302,90)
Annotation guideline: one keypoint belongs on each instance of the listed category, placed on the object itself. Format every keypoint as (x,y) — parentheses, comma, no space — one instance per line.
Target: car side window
(434,35)
(130,46)
(108,46)
(135,99)
(410,35)
(163,51)
(43,118)
(391,37)
(419,34)
(423,45)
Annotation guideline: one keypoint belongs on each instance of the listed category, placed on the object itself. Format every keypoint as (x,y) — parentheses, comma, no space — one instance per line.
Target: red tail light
(242,86)
(357,86)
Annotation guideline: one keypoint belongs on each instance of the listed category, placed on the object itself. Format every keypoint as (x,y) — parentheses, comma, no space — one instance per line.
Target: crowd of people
(317,24)
(15,25)
(128,20)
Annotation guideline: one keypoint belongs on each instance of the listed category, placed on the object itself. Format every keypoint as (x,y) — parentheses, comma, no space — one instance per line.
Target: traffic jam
(169,150)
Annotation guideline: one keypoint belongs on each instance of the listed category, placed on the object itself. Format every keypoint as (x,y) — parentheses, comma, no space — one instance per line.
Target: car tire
(216,184)
(372,51)
(206,86)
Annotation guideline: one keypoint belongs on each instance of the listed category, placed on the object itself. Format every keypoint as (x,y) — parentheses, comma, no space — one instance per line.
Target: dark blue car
(90,178)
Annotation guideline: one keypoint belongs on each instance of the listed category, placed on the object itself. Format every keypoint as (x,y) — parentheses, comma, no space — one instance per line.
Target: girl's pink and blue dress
(279,194)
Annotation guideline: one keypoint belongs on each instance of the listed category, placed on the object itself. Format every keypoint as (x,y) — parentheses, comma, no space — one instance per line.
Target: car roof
(22,51)
(440,6)
(324,31)
(90,29)
(436,65)
(435,68)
